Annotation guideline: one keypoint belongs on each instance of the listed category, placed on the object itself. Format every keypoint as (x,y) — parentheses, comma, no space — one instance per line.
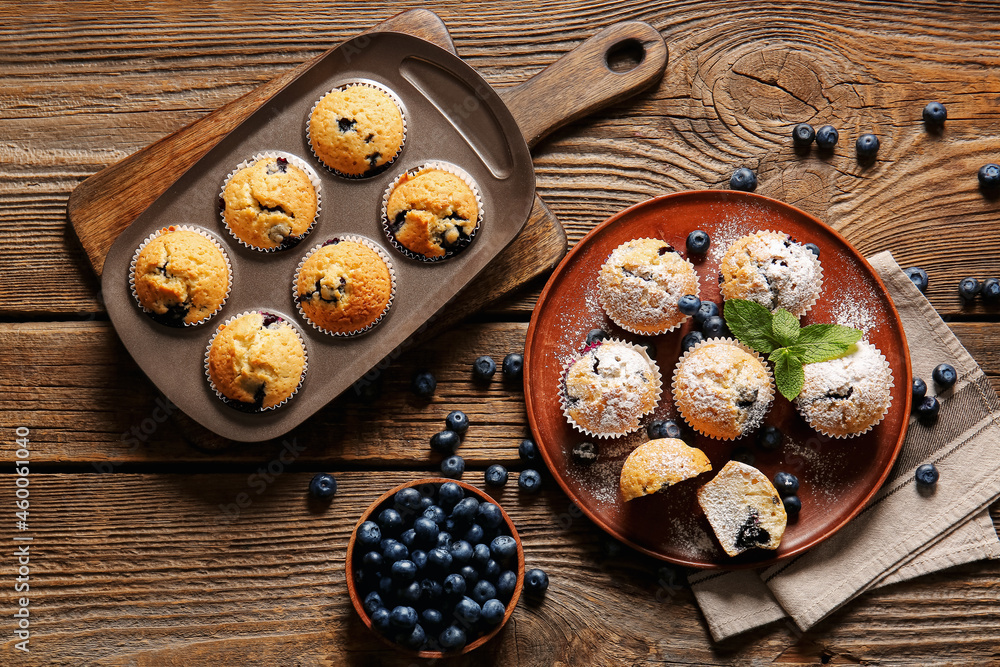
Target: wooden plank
(169,570)
(75,386)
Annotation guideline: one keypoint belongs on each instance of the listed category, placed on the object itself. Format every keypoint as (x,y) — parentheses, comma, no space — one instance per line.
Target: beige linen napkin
(903,532)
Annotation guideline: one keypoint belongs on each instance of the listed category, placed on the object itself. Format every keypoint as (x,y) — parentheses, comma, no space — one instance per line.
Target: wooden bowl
(385,500)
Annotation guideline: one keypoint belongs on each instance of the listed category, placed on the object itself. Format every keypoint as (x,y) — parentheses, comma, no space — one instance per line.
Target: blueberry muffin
(181,277)
(256,361)
(744,509)
(773,270)
(270,204)
(659,464)
(344,286)
(847,396)
(609,388)
(640,284)
(356,131)
(431,214)
(722,389)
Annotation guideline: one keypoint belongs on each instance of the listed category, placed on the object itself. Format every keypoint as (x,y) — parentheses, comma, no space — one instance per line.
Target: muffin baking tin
(452,115)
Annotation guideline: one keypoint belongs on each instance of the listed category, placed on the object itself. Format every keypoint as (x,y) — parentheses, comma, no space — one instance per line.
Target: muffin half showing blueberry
(744,509)
(655,466)
(357,130)
(773,270)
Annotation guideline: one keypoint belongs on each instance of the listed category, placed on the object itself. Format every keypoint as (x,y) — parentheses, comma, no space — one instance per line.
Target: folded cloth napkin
(904,531)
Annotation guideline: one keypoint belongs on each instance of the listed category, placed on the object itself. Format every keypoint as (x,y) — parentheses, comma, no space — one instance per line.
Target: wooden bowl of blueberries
(435,567)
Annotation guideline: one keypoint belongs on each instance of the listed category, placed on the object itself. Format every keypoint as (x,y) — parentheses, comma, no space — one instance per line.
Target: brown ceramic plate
(837,476)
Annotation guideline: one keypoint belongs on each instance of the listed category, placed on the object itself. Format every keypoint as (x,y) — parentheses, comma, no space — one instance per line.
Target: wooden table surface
(139,557)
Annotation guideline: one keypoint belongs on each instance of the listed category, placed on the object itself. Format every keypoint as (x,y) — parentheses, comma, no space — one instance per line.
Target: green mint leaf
(815,352)
(822,342)
(785,327)
(788,373)
(750,322)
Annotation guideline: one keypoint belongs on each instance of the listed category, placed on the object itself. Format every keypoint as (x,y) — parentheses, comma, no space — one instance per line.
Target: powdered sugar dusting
(852,308)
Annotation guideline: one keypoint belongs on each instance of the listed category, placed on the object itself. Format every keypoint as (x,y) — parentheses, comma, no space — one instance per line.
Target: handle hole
(625,56)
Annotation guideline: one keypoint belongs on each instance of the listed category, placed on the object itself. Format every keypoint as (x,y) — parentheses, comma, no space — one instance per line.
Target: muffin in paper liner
(366,83)
(627,405)
(413,173)
(337,239)
(618,296)
(813,259)
(210,291)
(733,429)
(292,239)
(278,356)
(864,386)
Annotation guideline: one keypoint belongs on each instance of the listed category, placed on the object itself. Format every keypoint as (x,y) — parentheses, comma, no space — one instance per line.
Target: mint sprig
(788,346)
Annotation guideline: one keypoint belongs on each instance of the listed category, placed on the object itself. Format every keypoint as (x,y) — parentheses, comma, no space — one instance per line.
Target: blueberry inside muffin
(773,270)
(270,204)
(432,213)
(357,131)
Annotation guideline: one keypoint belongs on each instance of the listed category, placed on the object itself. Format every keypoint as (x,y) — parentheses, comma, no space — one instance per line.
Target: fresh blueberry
(529,480)
(493,611)
(743,179)
(473,534)
(415,639)
(715,327)
(666,428)
(944,376)
(483,591)
(431,618)
(513,367)
(380,620)
(743,455)
(449,494)
(803,134)
(496,475)
(386,587)
(404,571)
(407,500)
(585,453)
(426,531)
(786,483)
(453,467)
(369,534)
(528,451)
(461,552)
(431,591)
(409,592)
(470,574)
(465,510)
(457,421)
(454,584)
(408,538)
(393,551)
(419,559)
(968,288)
(503,548)
(491,571)
(425,502)
(439,559)
(691,339)
(451,638)
(372,561)
(917,276)
(935,114)
(468,611)
(506,583)
(919,390)
(390,521)
(435,514)
(989,176)
(481,554)
(792,505)
(928,409)
(813,248)
(445,442)
(827,137)
(698,242)
(323,486)
(403,618)
(536,582)
(927,474)
(867,147)
(444,539)
(424,384)
(688,304)
(372,602)
(483,368)
(489,515)
(596,336)
(991,290)
(770,438)
(705,311)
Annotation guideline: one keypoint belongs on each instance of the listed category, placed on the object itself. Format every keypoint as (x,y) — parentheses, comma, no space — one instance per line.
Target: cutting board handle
(583,80)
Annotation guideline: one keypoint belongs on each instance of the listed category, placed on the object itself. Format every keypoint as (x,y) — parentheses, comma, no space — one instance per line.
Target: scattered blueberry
(935,114)
(698,242)
(403,618)
(991,290)
(743,455)
(496,475)
(803,134)
(813,248)
(483,368)
(688,304)
(585,453)
(666,428)
(786,483)
(827,137)
(423,384)
(944,376)
(919,390)
(715,327)
(989,176)
(323,486)
(453,467)
(917,276)
(528,451)
(457,421)
(968,288)
(452,637)
(928,409)
(743,179)
(513,367)
(867,146)
(493,612)
(705,311)
(536,582)
(596,336)
(792,505)
(927,474)
(529,480)
(690,340)
(445,442)
(770,438)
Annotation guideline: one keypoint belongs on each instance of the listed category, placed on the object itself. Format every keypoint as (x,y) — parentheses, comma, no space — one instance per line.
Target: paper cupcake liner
(172,228)
(885,411)
(750,426)
(443,166)
(292,159)
(601,298)
(813,258)
(392,278)
(349,83)
(564,398)
(240,405)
